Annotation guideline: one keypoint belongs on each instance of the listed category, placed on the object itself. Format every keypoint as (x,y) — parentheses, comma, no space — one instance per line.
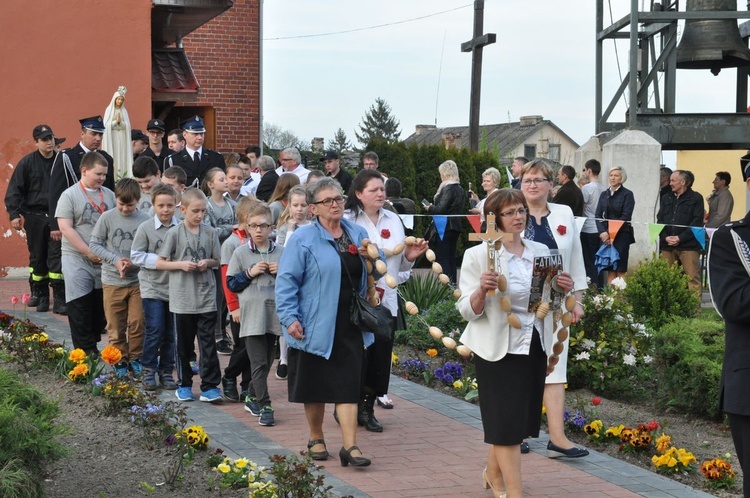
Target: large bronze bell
(711,44)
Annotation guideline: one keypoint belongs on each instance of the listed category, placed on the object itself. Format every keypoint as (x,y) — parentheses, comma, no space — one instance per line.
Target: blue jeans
(159,349)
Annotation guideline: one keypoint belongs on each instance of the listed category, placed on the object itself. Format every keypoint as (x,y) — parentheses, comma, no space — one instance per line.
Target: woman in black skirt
(313,295)
(511,363)
(616,203)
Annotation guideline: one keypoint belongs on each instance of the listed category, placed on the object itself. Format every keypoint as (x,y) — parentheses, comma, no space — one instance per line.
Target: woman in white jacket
(510,362)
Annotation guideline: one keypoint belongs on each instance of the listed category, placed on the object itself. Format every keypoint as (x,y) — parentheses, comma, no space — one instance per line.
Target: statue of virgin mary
(116,139)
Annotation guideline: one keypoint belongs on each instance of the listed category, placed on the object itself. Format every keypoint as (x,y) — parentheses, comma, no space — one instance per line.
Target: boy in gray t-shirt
(111,240)
(159,338)
(78,210)
(189,252)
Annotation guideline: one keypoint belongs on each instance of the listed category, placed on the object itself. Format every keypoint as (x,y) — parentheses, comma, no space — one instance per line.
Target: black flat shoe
(554,451)
(355,461)
(525,447)
(317,455)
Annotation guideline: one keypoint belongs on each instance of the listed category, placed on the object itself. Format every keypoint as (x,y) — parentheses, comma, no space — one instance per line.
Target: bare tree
(275,137)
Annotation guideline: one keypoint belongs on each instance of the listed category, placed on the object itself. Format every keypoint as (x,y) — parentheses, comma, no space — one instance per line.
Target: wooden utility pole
(475,46)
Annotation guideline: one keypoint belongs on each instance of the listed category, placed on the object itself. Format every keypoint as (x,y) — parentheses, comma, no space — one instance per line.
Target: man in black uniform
(729,284)
(334,170)
(66,172)
(27,203)
(155,130)
(195,159)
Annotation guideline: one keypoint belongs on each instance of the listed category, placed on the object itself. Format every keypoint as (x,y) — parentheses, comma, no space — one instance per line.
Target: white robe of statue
(116,140)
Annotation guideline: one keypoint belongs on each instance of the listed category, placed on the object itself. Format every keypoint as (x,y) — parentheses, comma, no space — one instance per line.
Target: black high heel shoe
(356,461)
(317,455)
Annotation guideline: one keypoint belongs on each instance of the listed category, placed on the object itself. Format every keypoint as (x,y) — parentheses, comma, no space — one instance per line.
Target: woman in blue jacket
(313,296)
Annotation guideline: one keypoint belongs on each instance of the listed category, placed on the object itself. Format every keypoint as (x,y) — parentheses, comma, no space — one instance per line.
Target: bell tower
(711,40)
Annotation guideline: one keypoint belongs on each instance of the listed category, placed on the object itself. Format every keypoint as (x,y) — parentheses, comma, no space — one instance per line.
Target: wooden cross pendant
(493,237)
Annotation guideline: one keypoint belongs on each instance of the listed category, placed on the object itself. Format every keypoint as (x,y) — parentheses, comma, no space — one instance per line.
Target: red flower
(26,298)
(385,233)
(652,426)
(14,300)
(562,229)
(596,401)
(353,249)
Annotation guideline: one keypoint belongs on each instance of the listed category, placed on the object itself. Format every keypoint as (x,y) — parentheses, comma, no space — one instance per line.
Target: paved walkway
(432,444)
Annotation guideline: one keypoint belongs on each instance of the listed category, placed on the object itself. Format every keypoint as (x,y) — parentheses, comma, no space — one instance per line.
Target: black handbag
(369,318)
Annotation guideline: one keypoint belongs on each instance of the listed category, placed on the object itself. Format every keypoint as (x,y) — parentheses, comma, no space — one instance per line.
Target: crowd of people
(187,242)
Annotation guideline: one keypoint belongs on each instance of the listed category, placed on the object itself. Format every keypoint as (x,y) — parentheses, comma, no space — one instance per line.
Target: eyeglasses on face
(514,212)
(329,202)
(262,226)
(535,181)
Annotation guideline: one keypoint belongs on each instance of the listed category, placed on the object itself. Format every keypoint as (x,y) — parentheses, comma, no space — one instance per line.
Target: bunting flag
(710,231)
(476,222)
(440,223)
(654,229)
(700,236)
(614,228)
(580,220)
(408,221)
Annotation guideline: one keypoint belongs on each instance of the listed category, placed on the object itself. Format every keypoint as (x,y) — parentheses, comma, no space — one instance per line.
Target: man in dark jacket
(681,210)
(569,193)
(268,178)
(335,171)
(194,158)
(729,284)
(66,171)
(27,203)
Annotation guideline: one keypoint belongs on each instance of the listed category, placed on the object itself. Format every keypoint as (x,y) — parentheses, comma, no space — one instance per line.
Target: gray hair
(449,170)
(494,175)
(293,152)
(266,163)
(322,184)
(622,172)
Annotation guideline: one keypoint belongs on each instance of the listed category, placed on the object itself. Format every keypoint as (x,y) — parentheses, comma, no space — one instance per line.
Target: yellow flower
(241,463)
(223,468)
(663,443)
(80,369)
(614,431)
(685,457)
(544,410)
(111,355)
(394,359)
(59,351)
(458,384)
(43,338)
(432,352)
(77,355)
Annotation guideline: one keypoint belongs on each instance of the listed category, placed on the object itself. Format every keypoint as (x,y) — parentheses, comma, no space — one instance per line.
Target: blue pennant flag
(440,223)
(700,235)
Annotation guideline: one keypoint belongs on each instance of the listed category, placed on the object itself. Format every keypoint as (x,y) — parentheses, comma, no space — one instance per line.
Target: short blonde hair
(494,175)
(537,165)
(449,169)
(192,194)
(621,170)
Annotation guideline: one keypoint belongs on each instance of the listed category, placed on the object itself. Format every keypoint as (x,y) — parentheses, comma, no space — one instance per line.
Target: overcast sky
(543,63)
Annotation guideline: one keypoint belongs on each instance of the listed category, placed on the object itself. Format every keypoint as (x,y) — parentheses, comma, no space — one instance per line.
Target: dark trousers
(445,253)
(239,362)
(44,253)
(260,349)
(86,320)
(377,366)
(190,326)
(590,244)
(740,426)
(159,338)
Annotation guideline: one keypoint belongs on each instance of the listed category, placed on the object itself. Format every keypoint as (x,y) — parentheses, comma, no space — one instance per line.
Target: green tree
(340,142)
(378,124)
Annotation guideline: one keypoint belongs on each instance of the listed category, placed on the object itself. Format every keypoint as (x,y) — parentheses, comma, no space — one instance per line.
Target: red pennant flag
(614,227)
(476,222)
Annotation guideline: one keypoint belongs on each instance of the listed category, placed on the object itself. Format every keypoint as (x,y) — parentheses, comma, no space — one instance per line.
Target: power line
(367,27)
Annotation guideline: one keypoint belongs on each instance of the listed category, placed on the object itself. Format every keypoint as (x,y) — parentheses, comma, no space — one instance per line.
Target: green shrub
(609,351)
(689,355)
(442,315)
(28,432)
(16,482)
(424,289)
(659,292)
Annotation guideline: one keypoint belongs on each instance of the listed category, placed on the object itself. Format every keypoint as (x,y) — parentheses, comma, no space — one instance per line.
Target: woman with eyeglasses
(511,363)
(364,206)
(321,268)
(554,226)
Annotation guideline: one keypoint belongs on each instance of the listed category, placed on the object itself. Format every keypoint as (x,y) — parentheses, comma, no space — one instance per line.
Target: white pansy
(584,355)
(588,344)
(619,283)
